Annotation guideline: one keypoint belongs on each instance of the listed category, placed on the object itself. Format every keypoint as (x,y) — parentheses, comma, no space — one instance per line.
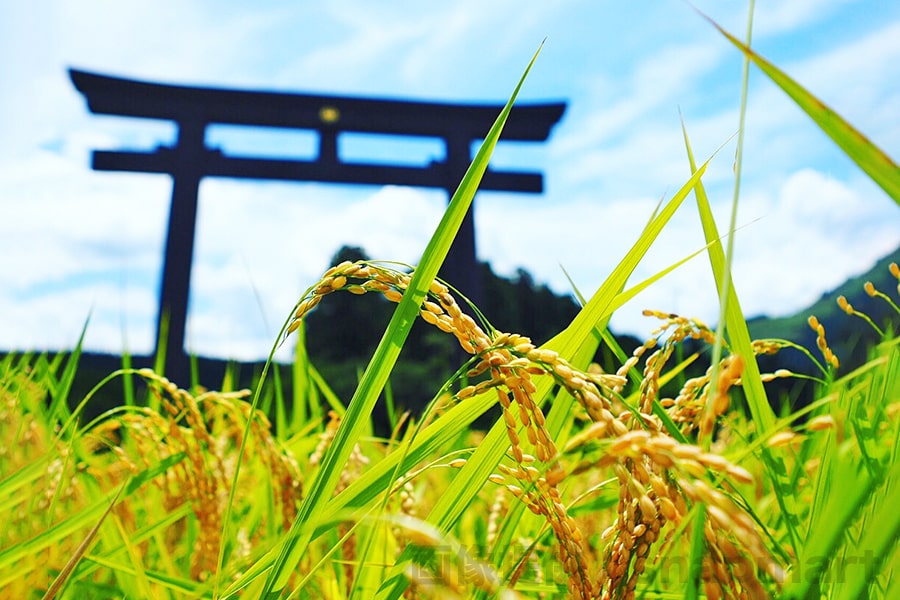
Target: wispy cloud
(786,17)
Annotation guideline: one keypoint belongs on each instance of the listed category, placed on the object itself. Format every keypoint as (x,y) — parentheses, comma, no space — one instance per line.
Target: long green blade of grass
(59,407)
(80,520)
(63,575)
(841,507)
(376,374)
(878,543)
(739,337)
(871,159)
(184,587)
(93,562)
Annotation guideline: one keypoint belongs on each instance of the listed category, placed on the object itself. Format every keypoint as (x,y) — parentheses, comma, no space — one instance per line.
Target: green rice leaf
(186,588)
(735,324)
(59,407)
(827,534)
(878,544)
(871,159)
(376,374)
(63,575)
(93,562)
(739,337)
(77,521)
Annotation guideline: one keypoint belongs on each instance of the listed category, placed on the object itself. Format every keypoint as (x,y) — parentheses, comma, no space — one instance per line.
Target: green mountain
(849,337)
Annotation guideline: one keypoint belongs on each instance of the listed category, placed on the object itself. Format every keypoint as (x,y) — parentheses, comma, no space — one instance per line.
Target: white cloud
(784,17)
(66,221)
(795,242)
(815,233)
(171,41)
(117,315)
(656,84)
(446,52)
(245,281)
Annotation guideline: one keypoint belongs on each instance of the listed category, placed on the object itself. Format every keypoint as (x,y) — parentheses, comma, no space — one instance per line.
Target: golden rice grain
(782,438)
(444,325)
(740,474)
(720,517)
(821,422)
(844,305)
(667,508)
(393,295)
(428,317)
(648,508)
(338,282)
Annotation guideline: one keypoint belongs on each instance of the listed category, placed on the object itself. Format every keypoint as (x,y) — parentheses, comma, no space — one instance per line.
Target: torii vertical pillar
(460,268)
(171,321)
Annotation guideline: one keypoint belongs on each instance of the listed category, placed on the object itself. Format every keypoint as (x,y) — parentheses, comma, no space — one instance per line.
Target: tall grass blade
(379,368)
(78,521)
(695,555)
(305,402)
(878,543)
(59,406)
(128,397)
(740,343)
(871,159)
(841,508)
(93,562)
(159,358)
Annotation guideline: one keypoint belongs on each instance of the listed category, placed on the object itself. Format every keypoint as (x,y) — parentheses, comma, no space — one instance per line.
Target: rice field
(642,482)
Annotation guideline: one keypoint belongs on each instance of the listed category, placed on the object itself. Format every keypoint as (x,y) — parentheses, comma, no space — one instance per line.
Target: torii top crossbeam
(132,98)
(190,159)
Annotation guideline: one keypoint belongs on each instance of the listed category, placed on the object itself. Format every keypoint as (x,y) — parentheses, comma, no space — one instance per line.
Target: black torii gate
(190,159)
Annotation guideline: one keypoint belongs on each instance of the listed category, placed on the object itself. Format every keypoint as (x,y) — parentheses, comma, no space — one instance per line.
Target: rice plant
(657,480)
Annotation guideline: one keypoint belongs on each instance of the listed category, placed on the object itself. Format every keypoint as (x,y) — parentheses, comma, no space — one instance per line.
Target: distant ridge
(848,336)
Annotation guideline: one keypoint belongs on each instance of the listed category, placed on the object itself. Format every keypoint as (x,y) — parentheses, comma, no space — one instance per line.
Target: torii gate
(190,159)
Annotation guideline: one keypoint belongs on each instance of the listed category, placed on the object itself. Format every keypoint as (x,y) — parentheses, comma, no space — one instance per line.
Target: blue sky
(78,242)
